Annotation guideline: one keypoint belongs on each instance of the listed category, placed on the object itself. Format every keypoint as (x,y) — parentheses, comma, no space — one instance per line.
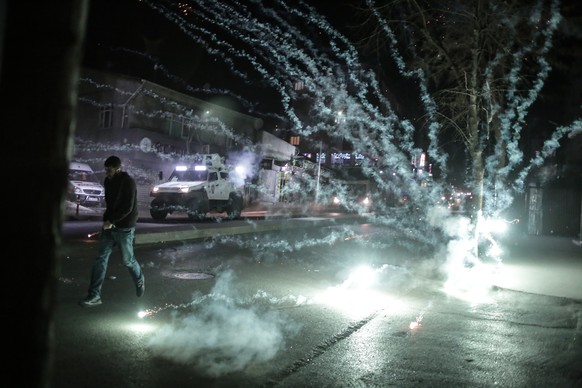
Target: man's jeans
(122,237)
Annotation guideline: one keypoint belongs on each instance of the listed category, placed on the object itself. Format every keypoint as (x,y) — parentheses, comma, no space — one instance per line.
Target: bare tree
(484,65)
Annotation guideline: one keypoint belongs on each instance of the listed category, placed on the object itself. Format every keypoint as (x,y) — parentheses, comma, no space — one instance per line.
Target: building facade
(152,128)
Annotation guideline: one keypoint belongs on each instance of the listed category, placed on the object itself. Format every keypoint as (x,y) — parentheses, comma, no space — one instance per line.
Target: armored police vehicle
(196,190)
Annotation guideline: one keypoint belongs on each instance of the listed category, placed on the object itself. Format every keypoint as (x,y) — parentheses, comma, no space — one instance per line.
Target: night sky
(128,37)
(121,32)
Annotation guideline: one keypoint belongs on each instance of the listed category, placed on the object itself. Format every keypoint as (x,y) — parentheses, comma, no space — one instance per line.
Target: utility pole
(318,174)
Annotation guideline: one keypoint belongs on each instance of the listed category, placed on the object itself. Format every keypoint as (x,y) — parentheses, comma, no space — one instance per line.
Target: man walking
(118,229)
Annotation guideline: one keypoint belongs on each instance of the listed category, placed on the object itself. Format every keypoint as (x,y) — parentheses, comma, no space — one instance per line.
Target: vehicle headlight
(336,201)
(155,189)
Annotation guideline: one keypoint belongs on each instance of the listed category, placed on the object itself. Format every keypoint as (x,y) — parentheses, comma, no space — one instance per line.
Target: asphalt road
(280,308)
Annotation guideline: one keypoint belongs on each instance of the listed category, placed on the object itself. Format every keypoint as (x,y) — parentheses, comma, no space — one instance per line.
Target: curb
(251,227)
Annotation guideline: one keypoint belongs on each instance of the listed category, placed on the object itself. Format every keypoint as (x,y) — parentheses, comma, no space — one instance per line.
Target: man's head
(112,166)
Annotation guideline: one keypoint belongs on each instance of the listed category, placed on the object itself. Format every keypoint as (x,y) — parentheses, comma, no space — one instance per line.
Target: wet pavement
(528,334)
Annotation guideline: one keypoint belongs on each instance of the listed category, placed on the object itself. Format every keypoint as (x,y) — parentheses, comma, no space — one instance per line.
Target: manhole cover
(189,275)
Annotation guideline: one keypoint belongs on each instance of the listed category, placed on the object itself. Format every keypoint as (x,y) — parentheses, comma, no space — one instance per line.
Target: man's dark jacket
(121,200)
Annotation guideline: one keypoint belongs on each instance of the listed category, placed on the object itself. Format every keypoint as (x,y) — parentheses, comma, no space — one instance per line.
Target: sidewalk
(547,265)
(256,209)
(260,209)
(278,216)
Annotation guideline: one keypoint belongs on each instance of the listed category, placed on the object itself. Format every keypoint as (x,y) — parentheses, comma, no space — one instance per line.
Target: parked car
(84,187)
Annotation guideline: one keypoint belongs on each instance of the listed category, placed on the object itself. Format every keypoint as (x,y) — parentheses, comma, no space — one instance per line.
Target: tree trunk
(475,147)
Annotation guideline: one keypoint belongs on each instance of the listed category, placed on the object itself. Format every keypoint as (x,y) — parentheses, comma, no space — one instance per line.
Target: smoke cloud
(223,334)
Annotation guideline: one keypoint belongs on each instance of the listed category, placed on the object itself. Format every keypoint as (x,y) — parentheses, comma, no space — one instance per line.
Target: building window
(187,127)
(299,85)
(178,126)
(106,116)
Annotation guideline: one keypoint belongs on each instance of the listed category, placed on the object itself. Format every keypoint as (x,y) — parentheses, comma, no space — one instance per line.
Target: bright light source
(470,284)
(356,296)
(493,225)
(363,276)
(181,168)
(200,168)
(141,328)
(354,302)
(494,251)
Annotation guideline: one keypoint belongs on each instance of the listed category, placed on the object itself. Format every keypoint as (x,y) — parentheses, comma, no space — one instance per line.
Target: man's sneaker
(140,288)
(91,301)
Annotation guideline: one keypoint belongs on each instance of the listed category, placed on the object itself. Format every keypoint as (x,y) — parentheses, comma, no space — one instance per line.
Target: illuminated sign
(341,155)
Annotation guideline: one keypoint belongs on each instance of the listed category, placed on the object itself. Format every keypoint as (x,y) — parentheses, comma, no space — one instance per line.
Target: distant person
(118,229)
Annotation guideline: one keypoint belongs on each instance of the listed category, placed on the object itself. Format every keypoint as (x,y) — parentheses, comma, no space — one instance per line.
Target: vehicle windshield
(188,176)
(83,175)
